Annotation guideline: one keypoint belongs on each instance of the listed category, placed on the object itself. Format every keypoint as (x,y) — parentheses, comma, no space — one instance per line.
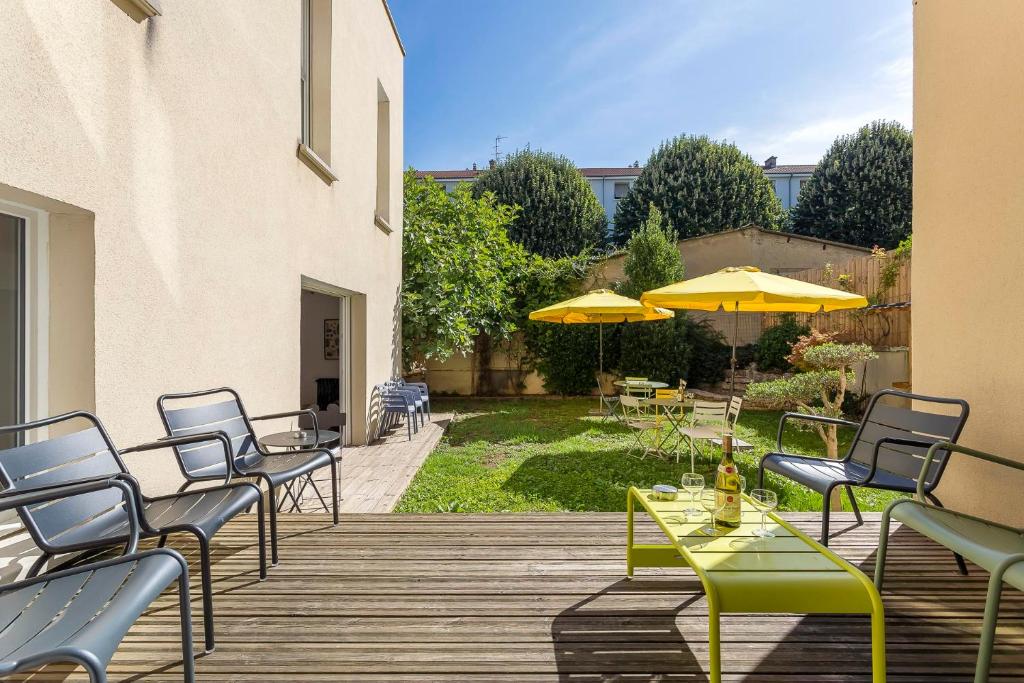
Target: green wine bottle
(727,487)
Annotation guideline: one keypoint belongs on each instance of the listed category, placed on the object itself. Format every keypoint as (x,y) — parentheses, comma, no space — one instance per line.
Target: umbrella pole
(732,361)
(600,364)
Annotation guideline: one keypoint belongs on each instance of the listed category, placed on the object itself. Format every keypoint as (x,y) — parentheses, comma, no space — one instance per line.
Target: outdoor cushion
(980,542)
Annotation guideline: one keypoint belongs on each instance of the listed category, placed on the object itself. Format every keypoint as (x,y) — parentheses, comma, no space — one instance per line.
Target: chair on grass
(639,423)
(97,520)
(80,615)
(609,404)
(731,418)
(203,461)
(997,548)
(886,452)
(708,421)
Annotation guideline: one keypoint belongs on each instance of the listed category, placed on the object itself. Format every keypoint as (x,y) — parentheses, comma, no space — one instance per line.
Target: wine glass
(764,501)
(693,484)
(713,503)
(743,484)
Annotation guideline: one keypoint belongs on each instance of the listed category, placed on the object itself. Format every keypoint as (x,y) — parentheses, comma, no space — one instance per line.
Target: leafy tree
(701,187)
(459,270)
(860,192)
(672,349)
(820,389)
(559,213)
(775,343)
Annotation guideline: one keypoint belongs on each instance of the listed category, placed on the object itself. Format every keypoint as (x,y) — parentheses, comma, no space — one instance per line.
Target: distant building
(787,180)
(611,184)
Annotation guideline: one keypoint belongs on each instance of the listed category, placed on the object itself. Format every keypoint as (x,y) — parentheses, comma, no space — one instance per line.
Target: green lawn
(541,454)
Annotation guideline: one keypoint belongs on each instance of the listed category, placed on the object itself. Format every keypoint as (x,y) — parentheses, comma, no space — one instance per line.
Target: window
(621,190)
(383,212)
(315,88)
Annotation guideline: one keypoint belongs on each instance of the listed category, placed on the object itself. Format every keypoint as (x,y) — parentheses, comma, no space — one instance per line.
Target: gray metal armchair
(80,615)
(995,547)
(206,461)
(886,452)
(98,519)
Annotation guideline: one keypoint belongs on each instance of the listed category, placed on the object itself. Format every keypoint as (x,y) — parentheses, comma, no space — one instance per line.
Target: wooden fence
(885,324)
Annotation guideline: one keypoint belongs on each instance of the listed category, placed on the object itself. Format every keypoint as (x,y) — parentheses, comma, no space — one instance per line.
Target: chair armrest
(45,494)
(809,418)
(293,413)
(175,441)
(955,448)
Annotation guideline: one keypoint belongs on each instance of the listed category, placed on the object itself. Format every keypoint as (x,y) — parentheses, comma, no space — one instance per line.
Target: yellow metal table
(741,572)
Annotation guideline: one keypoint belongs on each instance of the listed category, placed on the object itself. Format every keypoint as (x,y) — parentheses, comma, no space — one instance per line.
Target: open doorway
(325,383)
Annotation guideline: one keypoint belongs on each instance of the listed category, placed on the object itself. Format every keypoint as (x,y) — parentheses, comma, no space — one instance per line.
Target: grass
(541,454)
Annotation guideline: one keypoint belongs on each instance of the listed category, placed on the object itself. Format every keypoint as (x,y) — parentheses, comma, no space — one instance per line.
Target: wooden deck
(543,597)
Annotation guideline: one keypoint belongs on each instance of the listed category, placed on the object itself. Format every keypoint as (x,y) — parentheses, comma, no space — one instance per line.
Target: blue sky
(604,81)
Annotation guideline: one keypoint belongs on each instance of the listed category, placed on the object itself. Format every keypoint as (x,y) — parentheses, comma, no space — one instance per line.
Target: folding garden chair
(732,417)
(886,452)
(997,548)
(98,520)
(639,423)
(708,420)
(203,461)
(609,404)
(80,615)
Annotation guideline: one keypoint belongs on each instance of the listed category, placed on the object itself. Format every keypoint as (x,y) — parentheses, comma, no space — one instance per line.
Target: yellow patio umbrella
(746,288)
(600,306)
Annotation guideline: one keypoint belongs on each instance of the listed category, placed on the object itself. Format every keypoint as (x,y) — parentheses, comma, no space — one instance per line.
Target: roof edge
(791,235)
(394,27)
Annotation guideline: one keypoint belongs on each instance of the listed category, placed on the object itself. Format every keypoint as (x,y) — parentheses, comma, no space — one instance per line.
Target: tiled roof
(790,168)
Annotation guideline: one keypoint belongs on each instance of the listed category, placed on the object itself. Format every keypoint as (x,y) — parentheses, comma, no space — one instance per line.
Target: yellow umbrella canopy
(599,306)
(746,288)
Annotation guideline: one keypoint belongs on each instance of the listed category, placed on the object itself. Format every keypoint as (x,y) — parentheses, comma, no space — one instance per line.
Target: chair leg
(826,509)
(334,488)
(188,660)
(853,504)
(33,571)
(988,628)
(205,562)
(261,532)
(272,499)
(961,565)
(408,428)
(162,542)
(883,546)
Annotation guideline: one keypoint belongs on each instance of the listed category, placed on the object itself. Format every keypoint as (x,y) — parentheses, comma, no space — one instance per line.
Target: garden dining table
(741,572)
(674,416)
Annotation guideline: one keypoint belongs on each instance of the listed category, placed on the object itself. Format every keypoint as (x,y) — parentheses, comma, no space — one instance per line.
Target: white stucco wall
(179,135)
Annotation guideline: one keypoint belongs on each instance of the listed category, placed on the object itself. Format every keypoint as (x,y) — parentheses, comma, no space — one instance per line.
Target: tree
(860,192)
(701,187)
(559,213)
(459,270)
(652,258)
(820,389)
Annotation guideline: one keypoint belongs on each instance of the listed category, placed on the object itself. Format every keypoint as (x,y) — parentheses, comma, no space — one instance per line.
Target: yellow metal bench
(741,572)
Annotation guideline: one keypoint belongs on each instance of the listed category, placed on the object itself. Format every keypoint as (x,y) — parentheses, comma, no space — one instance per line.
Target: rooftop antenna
(497,149)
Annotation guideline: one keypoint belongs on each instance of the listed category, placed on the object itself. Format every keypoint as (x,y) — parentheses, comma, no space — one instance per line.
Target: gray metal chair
(886,452)
(99,520)
(205,461)
(395,404)
(80,615)
(997,548)
(424,392)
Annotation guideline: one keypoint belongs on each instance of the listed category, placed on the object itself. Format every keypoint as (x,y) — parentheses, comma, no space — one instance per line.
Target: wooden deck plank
(540,597)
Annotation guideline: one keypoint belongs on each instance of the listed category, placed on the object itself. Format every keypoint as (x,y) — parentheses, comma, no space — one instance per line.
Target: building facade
(787,180)
(173,180)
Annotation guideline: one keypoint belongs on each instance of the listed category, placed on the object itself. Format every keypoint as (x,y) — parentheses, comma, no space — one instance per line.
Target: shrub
(861,190)
(701,187)
(559,214)
(775,343)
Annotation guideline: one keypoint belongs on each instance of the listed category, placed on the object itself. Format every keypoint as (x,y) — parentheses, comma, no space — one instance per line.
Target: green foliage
(774,344)
(890,271)
(536,454)
(860,192)
(459,270)
(559,213)
(701,187)
(832,356)
(802,389)
(652,258)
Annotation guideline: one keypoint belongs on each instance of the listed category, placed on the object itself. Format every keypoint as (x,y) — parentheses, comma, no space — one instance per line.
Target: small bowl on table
(664,492)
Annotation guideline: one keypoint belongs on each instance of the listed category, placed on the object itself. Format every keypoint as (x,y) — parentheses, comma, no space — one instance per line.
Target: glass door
(12,323)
